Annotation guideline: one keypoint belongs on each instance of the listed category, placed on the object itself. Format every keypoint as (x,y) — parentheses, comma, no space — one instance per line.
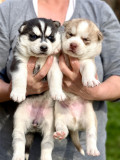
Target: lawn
(113,131)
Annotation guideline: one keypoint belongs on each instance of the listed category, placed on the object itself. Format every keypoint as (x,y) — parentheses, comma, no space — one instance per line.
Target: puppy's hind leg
(19,140)
(47,143)
(91,131)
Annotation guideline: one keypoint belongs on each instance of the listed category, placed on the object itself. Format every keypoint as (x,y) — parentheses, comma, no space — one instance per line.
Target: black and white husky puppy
(40,38)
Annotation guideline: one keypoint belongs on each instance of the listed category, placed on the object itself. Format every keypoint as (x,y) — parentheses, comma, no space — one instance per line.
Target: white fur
(36,31)
(55,82)
(88,72)
(19,81)
(48,31)
(42,25)
(82,26)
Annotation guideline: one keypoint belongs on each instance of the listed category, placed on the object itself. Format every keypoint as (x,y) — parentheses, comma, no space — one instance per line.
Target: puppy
(83,40)
(40,38)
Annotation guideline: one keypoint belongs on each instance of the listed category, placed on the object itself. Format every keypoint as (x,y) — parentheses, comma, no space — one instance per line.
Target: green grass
(113,131)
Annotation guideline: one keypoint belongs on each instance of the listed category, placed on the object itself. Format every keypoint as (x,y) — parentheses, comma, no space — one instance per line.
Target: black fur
(14,65)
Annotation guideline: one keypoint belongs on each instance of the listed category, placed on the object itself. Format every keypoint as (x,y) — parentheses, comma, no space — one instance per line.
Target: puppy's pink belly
(36,112)
(76,108)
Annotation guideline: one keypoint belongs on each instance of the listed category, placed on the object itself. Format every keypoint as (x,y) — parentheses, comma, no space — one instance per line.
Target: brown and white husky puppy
(83,40)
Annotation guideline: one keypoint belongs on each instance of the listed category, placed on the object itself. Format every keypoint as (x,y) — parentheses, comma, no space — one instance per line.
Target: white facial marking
(36,31)
(42,25)
(83,26)
(48,31)
(73,30)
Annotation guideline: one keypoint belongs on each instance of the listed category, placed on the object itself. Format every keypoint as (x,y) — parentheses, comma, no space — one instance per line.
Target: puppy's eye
(70,34)
(51,38)
(33,37)
(86,40)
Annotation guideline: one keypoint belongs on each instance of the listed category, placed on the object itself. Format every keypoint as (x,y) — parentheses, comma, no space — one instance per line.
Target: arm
(108,90)
(4,91)
(4,49)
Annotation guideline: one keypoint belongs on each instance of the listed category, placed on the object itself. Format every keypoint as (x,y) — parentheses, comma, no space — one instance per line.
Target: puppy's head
(81,39)
(39,37)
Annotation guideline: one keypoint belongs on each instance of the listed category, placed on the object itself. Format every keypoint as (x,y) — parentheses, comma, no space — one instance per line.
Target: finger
(44,70)
(64,68)
(74,62)
(96,76)
(39,91)
(38,88)
(31,64)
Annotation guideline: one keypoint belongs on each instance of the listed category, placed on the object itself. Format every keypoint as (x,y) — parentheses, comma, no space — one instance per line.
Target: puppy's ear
(22,27)
(65,23)
(57,24)
(100,36)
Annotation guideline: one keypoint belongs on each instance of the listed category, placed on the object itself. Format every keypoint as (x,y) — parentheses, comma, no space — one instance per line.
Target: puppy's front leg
(88,72)
(55,81)
(19,81)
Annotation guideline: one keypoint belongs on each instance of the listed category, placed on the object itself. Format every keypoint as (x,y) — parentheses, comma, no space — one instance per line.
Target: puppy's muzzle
(73,47)
(43,48)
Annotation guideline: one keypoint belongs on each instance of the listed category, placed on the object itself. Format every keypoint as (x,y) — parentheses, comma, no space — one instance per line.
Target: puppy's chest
(39,64)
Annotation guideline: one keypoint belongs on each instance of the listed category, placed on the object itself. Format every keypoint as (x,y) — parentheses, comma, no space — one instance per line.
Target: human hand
(72,80)
(35,85)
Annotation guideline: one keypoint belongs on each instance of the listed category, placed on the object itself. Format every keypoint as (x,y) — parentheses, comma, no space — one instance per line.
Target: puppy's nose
(44,48)
(73,46)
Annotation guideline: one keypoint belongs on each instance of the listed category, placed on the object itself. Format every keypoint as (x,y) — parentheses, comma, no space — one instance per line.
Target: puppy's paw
(58,95)
(17,96)
(59,135)
(90,82)
(92,151)
(18,157)
(46,157)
